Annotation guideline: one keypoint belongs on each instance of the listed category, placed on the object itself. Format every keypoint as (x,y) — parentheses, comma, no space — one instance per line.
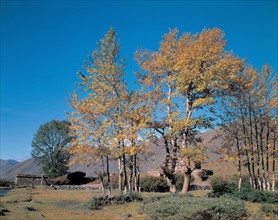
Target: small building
(155,173)
(30,180)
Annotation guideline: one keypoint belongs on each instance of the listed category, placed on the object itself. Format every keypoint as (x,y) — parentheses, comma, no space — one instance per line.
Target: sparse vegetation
(84,204)
(97,202)
(193,208)
(269,209)
(222,187)
(154,184)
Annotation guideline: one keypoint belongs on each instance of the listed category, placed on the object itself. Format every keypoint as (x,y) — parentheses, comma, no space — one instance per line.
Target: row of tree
(181,84)
(250,126)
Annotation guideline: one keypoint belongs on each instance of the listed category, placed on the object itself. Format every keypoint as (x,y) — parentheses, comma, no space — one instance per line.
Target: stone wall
(30,180)
(155,173)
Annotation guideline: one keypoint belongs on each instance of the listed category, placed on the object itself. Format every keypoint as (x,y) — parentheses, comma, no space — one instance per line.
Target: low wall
(30,180)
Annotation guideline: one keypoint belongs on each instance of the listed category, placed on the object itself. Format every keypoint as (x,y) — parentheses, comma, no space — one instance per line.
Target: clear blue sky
(44,44)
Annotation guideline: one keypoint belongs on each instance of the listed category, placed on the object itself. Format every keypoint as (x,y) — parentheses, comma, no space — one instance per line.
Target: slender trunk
(251,144)
(130,178)
(120,173)
(274,158)
(138,181)
(135,174)
(102,175)
(168,172)
(267,156)
(108,175)
(262,155)
(248,145)
(188,113)
(239,164)
(258,152)
(124,173)
(171,178)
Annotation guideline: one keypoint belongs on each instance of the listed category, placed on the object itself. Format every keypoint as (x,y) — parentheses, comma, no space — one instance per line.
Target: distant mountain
(7,163)
(29,166)
(10,168)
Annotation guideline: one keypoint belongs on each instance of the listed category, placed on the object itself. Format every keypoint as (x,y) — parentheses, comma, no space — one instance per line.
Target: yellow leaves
(133,150)
(230,158)
(203,102)
(195,153)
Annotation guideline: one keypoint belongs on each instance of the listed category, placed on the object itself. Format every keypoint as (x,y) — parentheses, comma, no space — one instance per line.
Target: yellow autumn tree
(249,120)
(185,75)
(107,120)
(97,118)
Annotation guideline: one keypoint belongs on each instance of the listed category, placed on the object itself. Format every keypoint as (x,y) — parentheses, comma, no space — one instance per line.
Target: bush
(193,208)
(221,186)
(257,196)
(154,184)
(97,202)
(6,183)
(269,209)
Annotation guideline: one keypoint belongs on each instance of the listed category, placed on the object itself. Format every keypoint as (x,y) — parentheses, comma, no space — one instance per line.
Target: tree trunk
(120,174)
(135,174)
(273,159)
(186,181)
(239,164)
(130,178)
(124,167)
(188,113)
(101,176)
(108,175)
(258,152)
(267,155)
(168,172)
(264,184)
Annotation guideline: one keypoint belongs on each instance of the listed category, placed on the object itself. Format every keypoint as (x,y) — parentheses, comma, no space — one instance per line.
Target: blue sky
(44,44)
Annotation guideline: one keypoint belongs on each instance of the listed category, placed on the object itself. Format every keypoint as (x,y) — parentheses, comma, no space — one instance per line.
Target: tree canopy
(49,147)
(181,83)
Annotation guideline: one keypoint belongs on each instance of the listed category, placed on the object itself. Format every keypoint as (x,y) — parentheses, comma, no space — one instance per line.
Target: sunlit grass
(61,204)
(72,204)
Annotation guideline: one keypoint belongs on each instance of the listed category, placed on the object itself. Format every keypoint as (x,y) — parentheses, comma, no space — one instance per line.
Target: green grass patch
(97,202)
(193,208)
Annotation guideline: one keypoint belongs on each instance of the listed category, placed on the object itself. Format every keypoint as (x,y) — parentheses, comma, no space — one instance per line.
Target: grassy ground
(70,204)
(60,204)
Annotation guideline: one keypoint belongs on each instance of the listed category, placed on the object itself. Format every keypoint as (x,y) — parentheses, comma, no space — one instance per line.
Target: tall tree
(185,75)
(49,147)
(159,86)
(104,119)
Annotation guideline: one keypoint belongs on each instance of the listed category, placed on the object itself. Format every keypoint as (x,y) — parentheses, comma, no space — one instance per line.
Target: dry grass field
(60,204)
(50,204)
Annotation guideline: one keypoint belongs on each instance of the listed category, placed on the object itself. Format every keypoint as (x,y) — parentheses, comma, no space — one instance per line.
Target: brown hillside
(154,161)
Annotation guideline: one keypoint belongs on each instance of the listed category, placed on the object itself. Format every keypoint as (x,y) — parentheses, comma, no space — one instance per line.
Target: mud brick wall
(29,180)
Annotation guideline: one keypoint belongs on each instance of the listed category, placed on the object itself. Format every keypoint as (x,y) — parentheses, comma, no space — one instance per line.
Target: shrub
(257,196)
(269,209)
(154,184)
(193,208)
(97,202)
(221,186)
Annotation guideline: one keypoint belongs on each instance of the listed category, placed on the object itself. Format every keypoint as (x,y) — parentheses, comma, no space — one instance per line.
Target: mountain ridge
(10,168)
